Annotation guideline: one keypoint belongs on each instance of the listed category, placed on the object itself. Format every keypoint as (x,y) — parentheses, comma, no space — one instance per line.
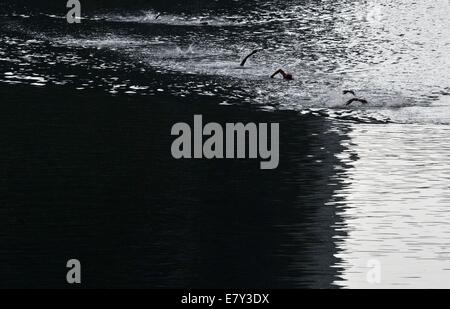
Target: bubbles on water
(159,18)
(326,47)
(189,51)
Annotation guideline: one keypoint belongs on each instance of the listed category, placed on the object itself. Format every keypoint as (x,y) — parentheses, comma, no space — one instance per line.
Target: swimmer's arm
(248,56)
(280,71)
(349,92)
(356,100)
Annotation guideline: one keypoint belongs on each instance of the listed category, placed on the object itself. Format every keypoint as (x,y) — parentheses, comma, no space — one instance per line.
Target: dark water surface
(85,164)
(91,176)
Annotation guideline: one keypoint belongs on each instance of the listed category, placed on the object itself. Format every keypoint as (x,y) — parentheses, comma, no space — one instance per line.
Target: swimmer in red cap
(286,76)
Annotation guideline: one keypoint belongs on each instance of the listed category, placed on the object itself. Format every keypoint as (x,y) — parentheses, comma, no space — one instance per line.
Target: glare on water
(395,205)
(392,196)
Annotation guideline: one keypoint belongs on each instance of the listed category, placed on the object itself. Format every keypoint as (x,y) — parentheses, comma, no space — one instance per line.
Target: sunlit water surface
(392,53)
(395,206)
(395,198)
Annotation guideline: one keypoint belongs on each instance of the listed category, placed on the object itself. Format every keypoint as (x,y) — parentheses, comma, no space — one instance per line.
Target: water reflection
(92,174)
(395,203)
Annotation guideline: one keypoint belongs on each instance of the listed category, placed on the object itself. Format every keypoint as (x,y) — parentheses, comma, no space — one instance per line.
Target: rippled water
(390,181)
(395,205)
(393,53)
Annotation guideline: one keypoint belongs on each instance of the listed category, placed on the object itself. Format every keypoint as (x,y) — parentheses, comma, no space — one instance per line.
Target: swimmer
(286,76)
(248,56)
(355,99)
(203,21)
(157,16)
